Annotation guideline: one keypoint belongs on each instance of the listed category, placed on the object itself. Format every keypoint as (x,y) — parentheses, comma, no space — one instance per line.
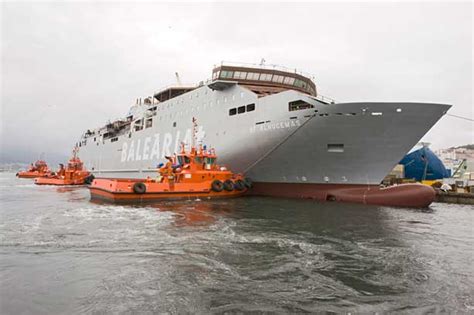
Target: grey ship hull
(344,143)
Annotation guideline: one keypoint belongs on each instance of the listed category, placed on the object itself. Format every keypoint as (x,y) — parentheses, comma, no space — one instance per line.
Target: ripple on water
(63,254)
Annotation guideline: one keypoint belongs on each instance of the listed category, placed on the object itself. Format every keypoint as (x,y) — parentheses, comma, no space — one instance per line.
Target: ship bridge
(262,80)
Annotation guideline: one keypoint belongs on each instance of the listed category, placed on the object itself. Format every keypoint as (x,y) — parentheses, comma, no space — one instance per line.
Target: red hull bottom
(405,195)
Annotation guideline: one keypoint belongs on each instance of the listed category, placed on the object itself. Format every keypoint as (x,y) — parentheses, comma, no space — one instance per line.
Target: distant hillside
(466,146)
(26,157)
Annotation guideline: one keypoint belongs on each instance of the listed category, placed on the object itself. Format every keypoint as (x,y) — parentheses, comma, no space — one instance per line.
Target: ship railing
(325,99)
(176,85)
(266,66)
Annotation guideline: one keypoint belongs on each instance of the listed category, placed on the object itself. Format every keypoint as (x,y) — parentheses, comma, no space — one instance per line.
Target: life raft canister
(139,188)
(229,185)
(217,185)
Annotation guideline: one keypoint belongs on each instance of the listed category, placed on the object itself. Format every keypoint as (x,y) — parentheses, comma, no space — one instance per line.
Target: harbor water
(62,254)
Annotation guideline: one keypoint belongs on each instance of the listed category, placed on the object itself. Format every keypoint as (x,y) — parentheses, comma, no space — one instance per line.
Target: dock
(454,197)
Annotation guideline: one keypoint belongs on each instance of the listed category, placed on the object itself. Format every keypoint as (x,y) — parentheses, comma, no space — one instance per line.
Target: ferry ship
(269,123)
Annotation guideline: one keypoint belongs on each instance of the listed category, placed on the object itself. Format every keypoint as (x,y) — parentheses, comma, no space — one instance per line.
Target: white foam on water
(143,215)
(19,186)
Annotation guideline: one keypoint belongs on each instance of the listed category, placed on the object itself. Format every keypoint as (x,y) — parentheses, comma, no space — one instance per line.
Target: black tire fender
(229,185)
(89,179)
(139,188)
(217,185)
(239,185)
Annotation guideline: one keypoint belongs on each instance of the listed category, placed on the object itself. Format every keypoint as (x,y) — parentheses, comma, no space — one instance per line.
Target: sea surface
(60,253)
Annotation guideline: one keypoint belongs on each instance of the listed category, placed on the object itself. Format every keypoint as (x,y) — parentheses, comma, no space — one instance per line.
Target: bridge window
(266,77)
(278,78)
(241,110)
(240,75)
(299,105)
(215,75)
(289,80)
(300,83)
(250,107)
(227,74)
(253,76)
(232,111)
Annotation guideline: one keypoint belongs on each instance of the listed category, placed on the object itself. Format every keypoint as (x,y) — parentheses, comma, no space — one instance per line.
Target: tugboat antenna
(74,152)
(194,140)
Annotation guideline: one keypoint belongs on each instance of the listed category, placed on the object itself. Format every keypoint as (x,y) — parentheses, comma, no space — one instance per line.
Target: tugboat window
(250,107)
(241,109)
(232,111)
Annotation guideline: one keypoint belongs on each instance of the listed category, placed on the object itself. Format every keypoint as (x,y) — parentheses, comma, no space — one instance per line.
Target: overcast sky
(69,67)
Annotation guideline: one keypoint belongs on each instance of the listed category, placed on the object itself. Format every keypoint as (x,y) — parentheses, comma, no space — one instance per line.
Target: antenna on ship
(262,62)
(178,80)
(74,152)
(193,144)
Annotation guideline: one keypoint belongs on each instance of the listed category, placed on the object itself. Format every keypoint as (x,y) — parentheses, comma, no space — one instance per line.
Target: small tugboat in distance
(188,174)
(73,174)
(39,169)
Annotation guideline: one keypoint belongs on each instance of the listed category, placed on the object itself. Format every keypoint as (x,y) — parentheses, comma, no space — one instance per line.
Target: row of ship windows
(170,104)
(242,109)
(269,77)
(293,106)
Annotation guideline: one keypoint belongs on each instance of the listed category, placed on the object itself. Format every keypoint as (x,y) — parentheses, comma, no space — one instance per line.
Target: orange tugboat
(73,174)
(188,174)
(39,169)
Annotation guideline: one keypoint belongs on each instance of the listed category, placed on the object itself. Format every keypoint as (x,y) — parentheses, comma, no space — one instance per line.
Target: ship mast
(74,152)
(194,140)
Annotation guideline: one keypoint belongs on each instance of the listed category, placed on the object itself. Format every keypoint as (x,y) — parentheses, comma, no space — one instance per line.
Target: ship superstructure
(267,122)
